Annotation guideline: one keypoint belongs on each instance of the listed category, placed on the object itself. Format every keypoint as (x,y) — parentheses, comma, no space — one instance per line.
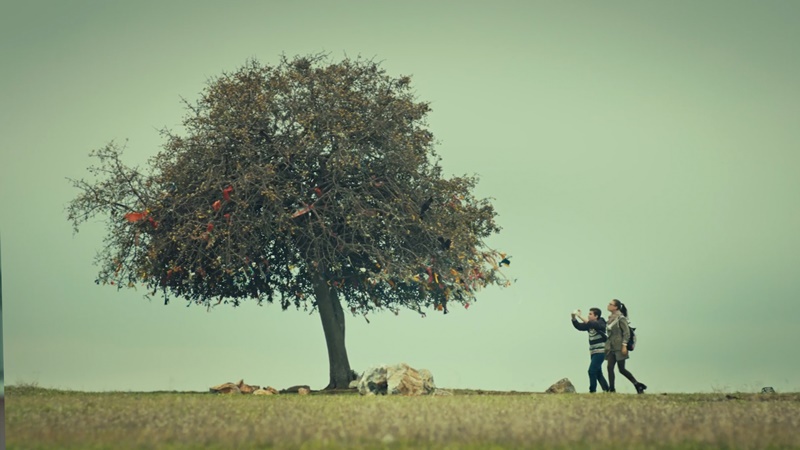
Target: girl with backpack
(619,334)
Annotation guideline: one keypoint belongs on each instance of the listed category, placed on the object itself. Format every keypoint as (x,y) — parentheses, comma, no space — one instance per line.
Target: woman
(618,334)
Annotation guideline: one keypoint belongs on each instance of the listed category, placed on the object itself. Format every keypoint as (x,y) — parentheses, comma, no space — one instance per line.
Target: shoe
(640,387)
(611,391)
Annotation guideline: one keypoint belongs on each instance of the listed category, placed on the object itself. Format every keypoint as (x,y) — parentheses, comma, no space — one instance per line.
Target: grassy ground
(46,419)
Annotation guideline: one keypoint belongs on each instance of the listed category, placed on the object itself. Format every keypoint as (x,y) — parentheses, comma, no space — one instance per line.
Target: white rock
(397,379)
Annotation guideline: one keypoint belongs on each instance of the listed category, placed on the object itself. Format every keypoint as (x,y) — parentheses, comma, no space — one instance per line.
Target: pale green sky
(640,150)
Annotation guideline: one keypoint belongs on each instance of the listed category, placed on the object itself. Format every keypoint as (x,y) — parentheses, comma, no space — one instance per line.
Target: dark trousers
(596,373)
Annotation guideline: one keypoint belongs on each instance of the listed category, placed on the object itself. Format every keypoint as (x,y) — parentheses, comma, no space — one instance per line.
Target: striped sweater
(597,333)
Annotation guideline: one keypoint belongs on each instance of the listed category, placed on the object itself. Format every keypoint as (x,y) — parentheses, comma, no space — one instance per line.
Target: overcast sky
(640,150)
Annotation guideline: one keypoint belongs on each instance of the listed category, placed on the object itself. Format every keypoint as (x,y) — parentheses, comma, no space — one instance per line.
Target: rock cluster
(396,379)
(242,388)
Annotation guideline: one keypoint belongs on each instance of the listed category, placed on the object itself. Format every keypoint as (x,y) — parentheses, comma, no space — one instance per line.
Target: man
(596,326)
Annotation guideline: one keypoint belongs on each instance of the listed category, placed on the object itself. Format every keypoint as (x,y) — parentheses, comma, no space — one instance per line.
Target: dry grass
(46,419)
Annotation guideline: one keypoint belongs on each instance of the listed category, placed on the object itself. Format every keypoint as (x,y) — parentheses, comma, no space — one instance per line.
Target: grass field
(48,419)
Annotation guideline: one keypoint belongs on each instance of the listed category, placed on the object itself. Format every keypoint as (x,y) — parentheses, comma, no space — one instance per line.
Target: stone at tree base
(562,386)
(303,391)
(269,390)
(373,381)
(397,379)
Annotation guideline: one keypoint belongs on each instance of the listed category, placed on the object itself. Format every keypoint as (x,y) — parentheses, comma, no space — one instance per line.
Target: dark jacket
(597,333)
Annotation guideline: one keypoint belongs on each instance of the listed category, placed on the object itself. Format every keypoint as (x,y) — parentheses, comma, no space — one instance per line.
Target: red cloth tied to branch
(135,216)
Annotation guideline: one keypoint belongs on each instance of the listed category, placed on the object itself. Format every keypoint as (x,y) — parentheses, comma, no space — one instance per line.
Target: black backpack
(632,339)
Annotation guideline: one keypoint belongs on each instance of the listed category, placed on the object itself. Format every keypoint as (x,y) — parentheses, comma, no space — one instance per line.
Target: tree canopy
(290,177)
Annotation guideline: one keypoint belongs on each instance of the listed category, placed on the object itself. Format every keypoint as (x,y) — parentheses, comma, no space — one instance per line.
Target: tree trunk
(332,316)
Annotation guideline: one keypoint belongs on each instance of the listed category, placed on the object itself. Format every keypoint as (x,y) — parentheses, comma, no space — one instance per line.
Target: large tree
(310,183)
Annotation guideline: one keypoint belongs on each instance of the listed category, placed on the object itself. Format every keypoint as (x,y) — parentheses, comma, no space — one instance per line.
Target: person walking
(596,326)
(616,347)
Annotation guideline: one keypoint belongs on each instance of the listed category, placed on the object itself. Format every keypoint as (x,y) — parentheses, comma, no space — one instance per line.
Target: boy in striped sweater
(596,326)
